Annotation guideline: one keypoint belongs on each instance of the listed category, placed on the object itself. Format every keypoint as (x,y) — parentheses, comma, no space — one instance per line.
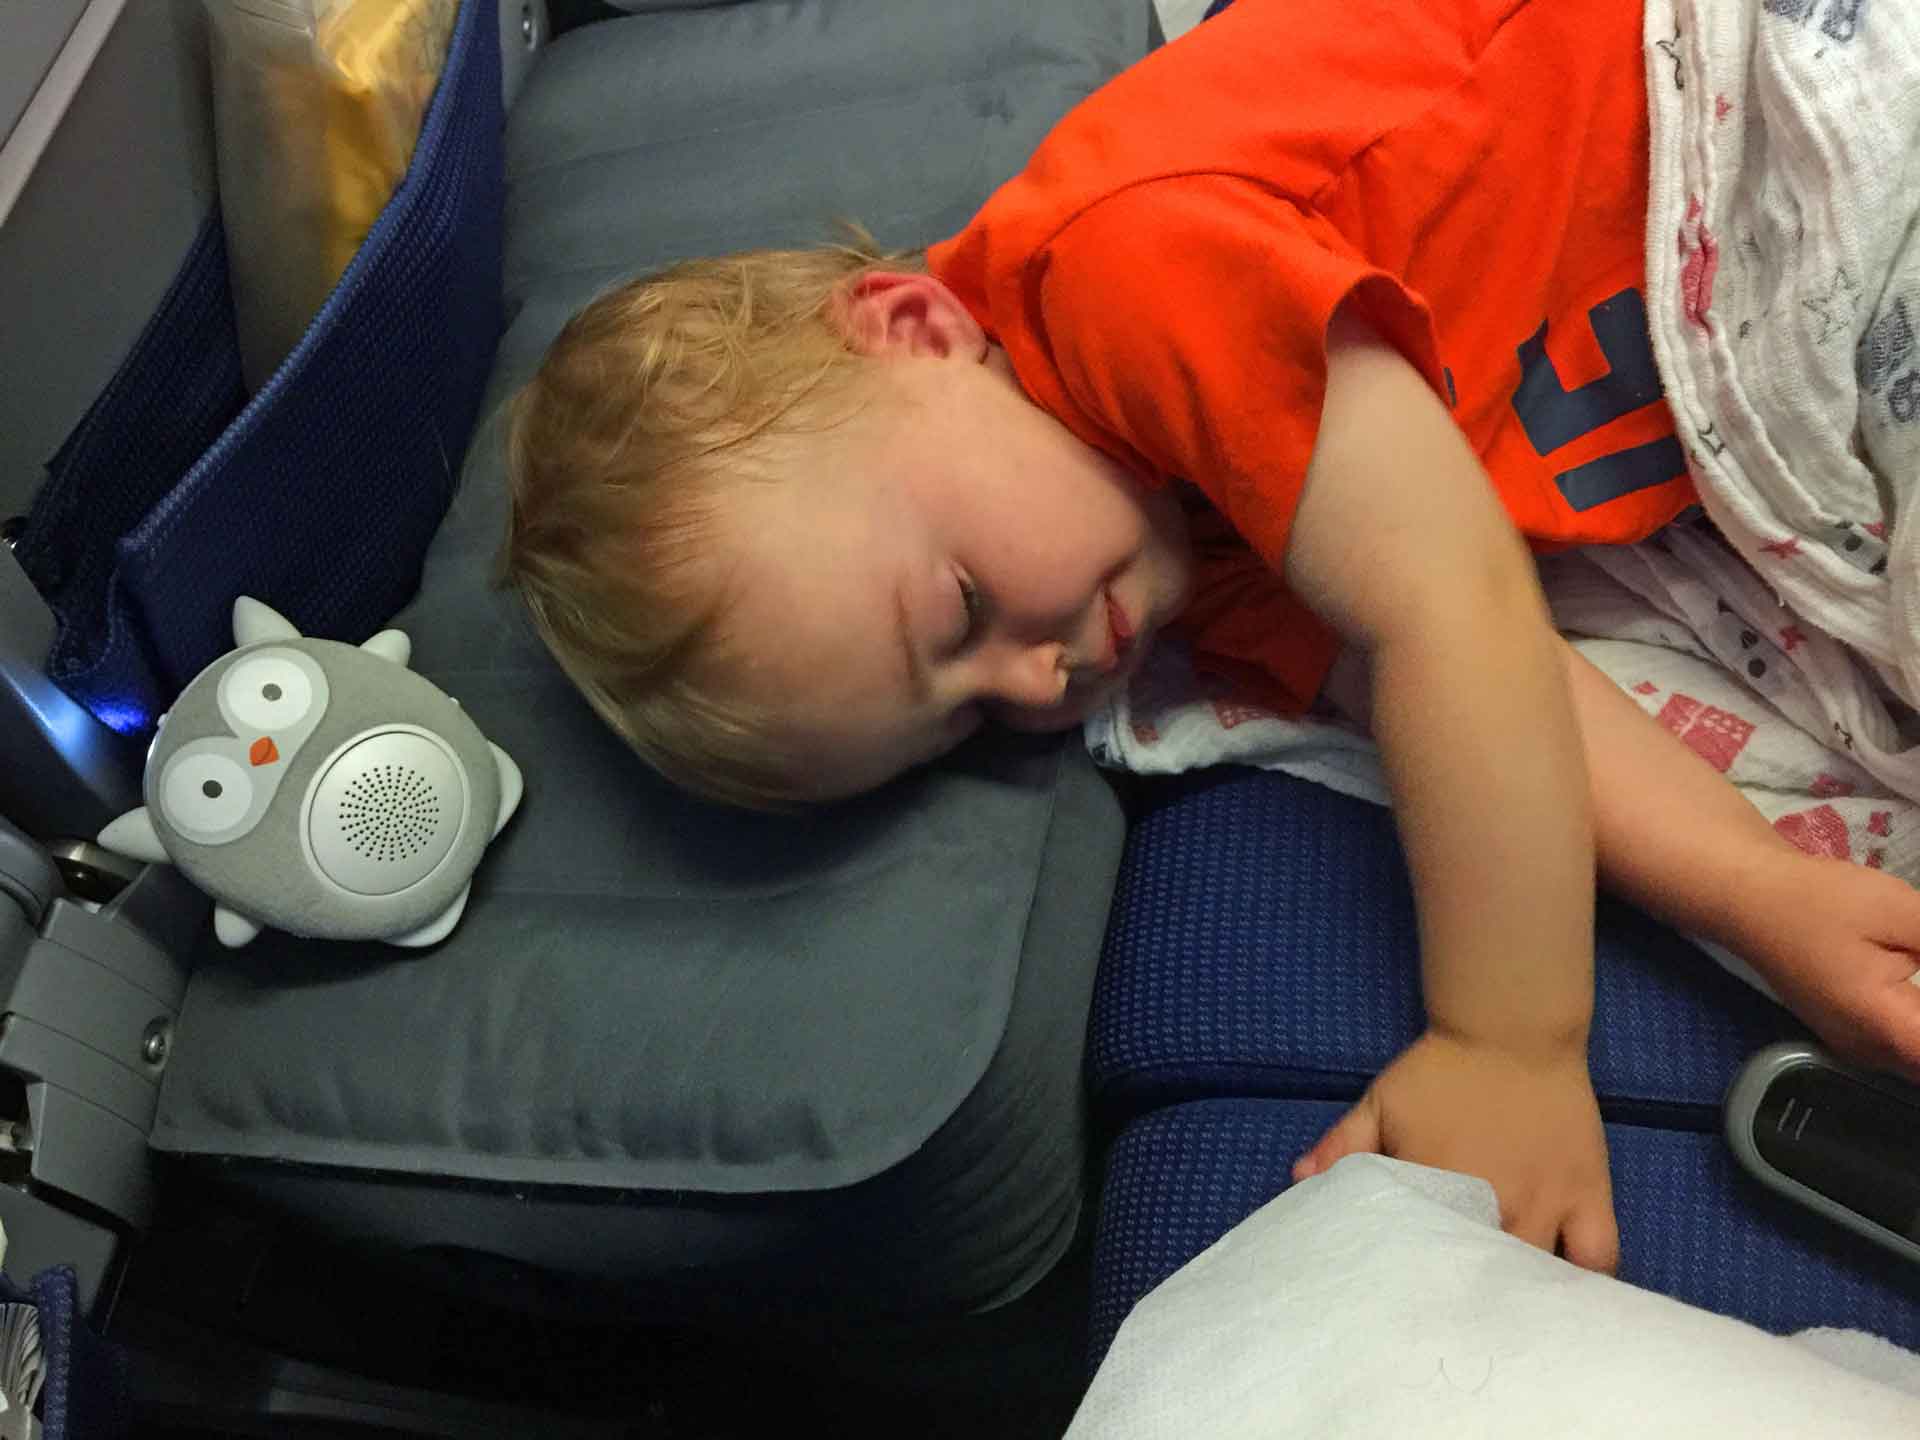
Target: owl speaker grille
(386,812)
(390,813)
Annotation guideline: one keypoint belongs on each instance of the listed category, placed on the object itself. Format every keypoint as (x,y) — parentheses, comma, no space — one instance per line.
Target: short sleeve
(1185,321)
(1188,318)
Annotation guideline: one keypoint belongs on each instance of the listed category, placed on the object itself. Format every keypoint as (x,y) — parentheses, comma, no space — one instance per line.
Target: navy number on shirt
(1553,415)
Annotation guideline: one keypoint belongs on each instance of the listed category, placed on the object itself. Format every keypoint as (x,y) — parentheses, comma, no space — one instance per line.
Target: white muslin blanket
(1783,266)
(1381,1299)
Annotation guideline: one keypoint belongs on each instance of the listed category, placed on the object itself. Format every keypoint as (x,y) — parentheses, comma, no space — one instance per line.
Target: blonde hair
(619,451)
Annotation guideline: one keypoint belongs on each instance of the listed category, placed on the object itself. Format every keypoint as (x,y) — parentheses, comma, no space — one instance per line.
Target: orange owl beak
(263,751)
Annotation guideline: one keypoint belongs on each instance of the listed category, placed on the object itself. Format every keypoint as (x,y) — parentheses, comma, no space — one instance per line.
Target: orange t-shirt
(1471,173)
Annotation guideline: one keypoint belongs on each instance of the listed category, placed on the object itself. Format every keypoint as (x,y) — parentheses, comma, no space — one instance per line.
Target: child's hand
(1838,943)
(1530,1126)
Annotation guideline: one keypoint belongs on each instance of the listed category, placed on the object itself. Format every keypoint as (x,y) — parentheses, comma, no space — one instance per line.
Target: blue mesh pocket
(320,493)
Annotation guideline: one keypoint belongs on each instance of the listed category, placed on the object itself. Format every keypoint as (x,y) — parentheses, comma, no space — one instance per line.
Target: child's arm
(1837,941)
(1401,545)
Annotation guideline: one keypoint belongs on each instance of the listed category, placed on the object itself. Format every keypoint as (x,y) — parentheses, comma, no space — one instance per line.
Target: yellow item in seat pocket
(317,105)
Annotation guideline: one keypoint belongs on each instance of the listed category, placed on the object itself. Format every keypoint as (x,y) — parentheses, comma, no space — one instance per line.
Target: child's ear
(892,314)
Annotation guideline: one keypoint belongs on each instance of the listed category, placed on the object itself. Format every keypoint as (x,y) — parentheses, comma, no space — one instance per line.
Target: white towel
(1382,1300)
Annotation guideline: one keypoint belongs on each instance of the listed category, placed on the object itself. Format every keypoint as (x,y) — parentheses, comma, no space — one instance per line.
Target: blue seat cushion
(1262,942)
(1691,1224)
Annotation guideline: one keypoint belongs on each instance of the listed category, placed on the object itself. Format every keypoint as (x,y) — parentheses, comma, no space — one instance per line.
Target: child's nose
(1030,676)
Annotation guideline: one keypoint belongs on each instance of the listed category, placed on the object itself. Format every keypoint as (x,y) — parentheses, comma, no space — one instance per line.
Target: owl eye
(206,793)
(267,692)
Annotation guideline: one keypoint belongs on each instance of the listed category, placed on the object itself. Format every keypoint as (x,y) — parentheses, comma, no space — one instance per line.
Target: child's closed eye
(974,608)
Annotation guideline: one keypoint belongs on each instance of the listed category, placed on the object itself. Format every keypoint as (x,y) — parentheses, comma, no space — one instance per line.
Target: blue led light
(122,716)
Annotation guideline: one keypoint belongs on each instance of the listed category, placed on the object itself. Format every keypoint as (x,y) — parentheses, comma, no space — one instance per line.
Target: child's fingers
(1897,1029)
(1591,1237)
(1537,1231)
(1357,1132)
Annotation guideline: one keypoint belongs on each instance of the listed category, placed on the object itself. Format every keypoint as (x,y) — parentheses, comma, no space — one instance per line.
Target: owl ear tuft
(133,835)
(438,928)
(390,645)
(233,929)
(254,622)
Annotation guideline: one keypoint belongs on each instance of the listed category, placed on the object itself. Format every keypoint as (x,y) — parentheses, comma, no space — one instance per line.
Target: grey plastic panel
(91,1153)
(100,229)
(85,1001)
(126,952)
(77,1009)
(31,34)
(40,1053)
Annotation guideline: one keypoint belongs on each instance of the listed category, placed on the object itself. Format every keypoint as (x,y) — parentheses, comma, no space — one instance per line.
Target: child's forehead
(806,563)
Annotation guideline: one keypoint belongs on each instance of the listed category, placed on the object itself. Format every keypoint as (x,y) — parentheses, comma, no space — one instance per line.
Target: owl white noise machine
(320,788)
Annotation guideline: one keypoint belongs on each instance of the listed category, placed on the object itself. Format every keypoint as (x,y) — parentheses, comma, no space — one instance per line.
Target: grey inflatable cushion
(832,1059)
